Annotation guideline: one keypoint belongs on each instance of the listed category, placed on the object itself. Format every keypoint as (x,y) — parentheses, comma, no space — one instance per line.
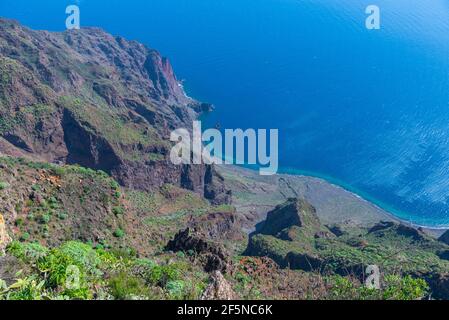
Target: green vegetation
(118,210)
(119,233)
(75,270)
(124,287)
(394,287)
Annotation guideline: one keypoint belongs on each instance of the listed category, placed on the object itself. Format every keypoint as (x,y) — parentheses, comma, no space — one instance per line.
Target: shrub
(24,289)
(72,254)
(406,288)
(29,252)
(393,288)
(124,286)
(119,233)
(83,255)
(118,211)
(114,185)
(58,170)
(63,215)
(44,218)
(161,275)
(53,202)
(24,237)
(4,185)
(175,289)
(19,222)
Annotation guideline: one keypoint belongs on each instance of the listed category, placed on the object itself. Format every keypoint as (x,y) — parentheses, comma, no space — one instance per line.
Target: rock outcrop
(217,226)
(295,212)
(218,289)
(444,237)
(5,239)
(212,255)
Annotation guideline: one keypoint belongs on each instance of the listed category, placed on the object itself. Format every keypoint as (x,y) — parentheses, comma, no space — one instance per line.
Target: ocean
(365,109)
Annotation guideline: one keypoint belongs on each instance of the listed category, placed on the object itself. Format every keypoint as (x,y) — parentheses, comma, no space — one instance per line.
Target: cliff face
(86,97)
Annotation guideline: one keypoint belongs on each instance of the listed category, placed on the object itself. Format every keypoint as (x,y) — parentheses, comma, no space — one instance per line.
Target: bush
(19,222)
(83,255)
(53,202)
(44,218)
(119,233)
(124,286)
(406,288)
(28,252)
(118,211)
(63,215)
(114,185)
(24,289)
(161,275)
(24,237)
(175,289)
(71,256)
(4,185)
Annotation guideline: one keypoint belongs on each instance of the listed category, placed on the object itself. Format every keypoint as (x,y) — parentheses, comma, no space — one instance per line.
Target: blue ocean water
(366,109)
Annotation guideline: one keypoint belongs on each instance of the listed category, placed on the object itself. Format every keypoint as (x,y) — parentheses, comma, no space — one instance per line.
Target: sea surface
(364,109)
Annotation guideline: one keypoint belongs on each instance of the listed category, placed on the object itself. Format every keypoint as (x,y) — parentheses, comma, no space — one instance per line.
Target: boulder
(5,239)
(218,289)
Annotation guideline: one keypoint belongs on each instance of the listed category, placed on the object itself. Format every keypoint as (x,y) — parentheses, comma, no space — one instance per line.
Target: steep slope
(293,236)
(53,204)
(86,97)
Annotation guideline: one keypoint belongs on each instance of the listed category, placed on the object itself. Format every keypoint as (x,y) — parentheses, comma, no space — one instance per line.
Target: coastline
(334,203)
(389,211)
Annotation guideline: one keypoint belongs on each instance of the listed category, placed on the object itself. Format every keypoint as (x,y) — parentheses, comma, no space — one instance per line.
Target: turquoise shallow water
(368,110)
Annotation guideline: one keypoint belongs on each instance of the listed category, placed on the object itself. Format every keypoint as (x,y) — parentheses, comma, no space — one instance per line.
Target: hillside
(293,236)
(85,97)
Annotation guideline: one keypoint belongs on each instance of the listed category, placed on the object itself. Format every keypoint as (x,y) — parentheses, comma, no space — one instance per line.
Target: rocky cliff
(85,97)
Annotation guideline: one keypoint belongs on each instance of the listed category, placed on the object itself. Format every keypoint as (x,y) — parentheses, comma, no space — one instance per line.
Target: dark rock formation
(212,254)
(336,230)
(295,212)
(217,226)
(214,188)
(439,284)
(382,225)
(303,261)
(444,237)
